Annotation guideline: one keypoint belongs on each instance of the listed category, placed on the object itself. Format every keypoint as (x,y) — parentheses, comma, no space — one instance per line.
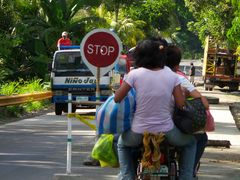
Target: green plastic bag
(104,152)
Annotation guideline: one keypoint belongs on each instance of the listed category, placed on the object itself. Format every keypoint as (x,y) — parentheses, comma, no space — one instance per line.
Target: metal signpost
(69,137)
(100,50)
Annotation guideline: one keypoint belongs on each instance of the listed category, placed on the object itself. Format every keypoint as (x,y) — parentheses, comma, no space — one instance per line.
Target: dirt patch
(6,120)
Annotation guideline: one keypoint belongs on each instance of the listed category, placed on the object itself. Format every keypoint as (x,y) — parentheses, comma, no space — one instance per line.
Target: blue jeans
(187,144)
(129,139)
(202,140)
(126,142)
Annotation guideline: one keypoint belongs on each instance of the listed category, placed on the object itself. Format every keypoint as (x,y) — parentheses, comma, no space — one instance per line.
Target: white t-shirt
(186,83)
(153,98)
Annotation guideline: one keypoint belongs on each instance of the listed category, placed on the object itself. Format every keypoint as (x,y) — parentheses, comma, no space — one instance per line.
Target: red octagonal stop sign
(100,48)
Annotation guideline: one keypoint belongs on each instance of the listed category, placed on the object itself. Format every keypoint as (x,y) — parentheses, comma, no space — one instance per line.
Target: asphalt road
(32,149)
(35,149)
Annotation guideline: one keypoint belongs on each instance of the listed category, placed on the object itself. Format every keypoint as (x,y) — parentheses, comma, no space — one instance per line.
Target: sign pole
(69,137)
(98,86)
(100,50)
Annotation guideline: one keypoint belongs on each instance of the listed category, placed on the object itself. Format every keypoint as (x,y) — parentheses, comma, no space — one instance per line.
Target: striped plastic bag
(115,118)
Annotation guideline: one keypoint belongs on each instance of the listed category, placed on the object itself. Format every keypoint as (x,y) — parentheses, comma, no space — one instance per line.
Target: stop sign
(100,48)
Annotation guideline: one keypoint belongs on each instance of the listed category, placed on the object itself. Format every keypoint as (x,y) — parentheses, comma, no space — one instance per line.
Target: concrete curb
(83,177)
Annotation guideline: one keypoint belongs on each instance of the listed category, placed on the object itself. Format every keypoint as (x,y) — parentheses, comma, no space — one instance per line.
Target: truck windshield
(69,61)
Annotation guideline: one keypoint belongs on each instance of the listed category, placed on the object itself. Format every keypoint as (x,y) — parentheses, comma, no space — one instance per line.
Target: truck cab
(70,74)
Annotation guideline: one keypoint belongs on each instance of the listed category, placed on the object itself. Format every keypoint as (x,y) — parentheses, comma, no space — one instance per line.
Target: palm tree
(37,27)
(128,30)
(49,18)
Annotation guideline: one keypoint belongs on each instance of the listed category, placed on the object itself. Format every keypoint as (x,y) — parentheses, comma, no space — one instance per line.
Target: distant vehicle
(220,67)
(70,74)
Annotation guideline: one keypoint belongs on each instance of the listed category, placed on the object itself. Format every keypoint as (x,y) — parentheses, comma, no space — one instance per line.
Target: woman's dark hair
(174,56)
(150,53)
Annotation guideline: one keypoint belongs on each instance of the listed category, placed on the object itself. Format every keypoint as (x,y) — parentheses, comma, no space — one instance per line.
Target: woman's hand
(196,94)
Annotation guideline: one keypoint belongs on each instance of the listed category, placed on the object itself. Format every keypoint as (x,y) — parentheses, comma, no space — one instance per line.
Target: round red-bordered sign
(100,48)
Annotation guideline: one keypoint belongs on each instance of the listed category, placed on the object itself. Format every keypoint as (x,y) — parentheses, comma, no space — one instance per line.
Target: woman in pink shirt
(155,84)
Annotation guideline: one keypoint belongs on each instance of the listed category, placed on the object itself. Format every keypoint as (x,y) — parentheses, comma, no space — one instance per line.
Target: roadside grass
(23,87)
(9,88)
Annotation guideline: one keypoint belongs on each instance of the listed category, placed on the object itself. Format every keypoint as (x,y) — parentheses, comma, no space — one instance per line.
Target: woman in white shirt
(173,60)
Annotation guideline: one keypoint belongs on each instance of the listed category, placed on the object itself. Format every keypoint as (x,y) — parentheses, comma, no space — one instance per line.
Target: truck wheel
(58,109)
(65,108)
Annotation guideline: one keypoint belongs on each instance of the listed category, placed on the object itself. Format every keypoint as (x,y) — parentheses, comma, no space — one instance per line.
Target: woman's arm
(196,94)
(178,96)
(122,92)
(191,91)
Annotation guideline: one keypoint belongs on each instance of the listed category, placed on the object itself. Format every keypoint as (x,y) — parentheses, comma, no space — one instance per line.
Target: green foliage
(238,52)
(6,32)
(3,70)
(212,18)
(22,87)
(154,12)
(218,18)
(58,16)
(6,17)
(9,88)
(179,33)
(11,111)
(30,86)
(34,106)
(130,31)
(234,32)
(29,29)
(6,43)
(15,55)
(117,5)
